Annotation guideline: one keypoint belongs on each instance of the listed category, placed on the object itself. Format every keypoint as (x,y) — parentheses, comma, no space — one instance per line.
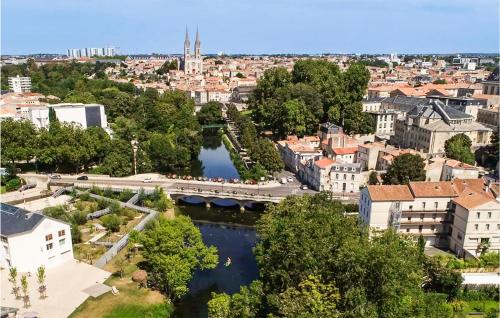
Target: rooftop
(390,193)
(15,220)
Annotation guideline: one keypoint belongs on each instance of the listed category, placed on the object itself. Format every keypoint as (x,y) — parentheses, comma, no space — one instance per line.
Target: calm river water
(224,227)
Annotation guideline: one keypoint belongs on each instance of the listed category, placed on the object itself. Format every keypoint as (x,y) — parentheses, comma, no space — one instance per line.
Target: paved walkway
(481,279)
(65,283)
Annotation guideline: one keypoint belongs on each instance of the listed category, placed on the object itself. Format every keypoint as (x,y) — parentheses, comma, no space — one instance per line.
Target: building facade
(459,214)
(84,115)
(30,240)
(427,127)
(192,63)
(20,84)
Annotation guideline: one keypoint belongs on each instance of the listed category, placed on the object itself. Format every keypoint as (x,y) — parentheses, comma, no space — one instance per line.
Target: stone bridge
(209,197)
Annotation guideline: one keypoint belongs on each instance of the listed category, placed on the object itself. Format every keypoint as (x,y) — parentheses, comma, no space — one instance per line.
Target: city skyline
(266,27)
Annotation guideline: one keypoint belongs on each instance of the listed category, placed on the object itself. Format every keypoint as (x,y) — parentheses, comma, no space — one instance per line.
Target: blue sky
(252,26)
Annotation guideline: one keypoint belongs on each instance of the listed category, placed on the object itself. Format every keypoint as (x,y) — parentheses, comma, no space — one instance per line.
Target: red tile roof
(390,193)
(324,162)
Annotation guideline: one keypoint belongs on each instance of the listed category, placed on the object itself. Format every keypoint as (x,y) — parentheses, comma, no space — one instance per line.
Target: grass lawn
(131,301)
(480,306)
(3,189)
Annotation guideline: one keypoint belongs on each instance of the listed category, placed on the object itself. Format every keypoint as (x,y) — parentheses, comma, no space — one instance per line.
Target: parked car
(82,178)
(147,180)
(55,176)
(304,187)
(290,179)
(283,180)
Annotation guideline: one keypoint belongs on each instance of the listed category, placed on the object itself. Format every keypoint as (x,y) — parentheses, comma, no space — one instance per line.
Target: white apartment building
(84,115)
(458,214)
(30,240)
(20,84)
(293,151)
(326,174)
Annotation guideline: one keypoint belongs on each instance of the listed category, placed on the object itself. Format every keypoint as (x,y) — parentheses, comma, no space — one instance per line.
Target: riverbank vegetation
(315,91)
(315,261)
(161,130)
(261,150)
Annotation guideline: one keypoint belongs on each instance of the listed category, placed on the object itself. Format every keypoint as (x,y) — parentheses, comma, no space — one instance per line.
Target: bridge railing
(226,195)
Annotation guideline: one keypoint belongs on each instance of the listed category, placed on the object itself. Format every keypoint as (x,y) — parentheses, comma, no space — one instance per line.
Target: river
(223,226)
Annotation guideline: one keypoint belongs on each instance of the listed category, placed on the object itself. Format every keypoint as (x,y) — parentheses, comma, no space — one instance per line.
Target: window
(352,177)
(423,205)
(434,216)
(435,205)
(337,176)
(61,233)
(476,227)
(411,207)
(49,246)
(48,237)
(498,227)
(422,217)
(409,218)
(407,230)
(459,236)
(4,239)
(345,176)
(487,227)
(489,215)
(420,227)
(62,241)
(478,215)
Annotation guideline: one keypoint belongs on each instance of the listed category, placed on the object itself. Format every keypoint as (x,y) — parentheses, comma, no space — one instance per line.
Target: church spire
(197,42)
(186,39)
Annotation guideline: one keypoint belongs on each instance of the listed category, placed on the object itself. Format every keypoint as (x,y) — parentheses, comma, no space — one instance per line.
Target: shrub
(108,192)
(79,217)
(13,184)
(76,234)
(125,195)
(111,222)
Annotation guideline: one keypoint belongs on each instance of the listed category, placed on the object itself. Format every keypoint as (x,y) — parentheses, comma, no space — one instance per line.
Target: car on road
(283,180)
(290,179)
(82,178)
(147,180)
(56,176)
(304,187)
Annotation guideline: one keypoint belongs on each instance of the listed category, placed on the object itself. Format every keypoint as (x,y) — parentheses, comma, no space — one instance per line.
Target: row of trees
(261,150)
(163,127)
(315,91)
(16,289)
(316,262)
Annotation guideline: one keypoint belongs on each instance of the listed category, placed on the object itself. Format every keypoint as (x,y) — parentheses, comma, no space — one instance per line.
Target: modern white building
(30,240)
(20,84)
(91,51)
(84,115)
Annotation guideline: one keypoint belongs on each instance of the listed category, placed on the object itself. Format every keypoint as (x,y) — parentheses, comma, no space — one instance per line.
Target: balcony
(421,222)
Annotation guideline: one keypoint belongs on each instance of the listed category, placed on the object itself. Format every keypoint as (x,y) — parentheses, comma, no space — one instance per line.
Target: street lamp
(134,143)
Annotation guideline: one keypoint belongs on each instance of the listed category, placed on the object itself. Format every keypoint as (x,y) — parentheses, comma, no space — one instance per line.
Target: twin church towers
(193,64)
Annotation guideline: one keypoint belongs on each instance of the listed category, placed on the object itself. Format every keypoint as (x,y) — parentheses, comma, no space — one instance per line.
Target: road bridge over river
(208,191)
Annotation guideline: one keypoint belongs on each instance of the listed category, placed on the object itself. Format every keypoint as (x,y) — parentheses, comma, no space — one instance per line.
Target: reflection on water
(231,241)
(221,230)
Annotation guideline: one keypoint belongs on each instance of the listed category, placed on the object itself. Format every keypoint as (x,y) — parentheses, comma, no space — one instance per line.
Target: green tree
(173,250)
(311,298)
(18,140)
(294,117)
(405,168)
(42,288)
(211,113)
(440,279)
(264,152)
(24,288)
(111,222)
(219,306)
(458,147)
(13,280)
(373,178)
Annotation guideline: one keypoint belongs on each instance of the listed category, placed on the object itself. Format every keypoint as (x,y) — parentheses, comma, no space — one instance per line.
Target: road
(267,188)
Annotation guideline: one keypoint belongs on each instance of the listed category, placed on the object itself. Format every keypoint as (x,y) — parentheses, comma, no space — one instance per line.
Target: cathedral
(193,64)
